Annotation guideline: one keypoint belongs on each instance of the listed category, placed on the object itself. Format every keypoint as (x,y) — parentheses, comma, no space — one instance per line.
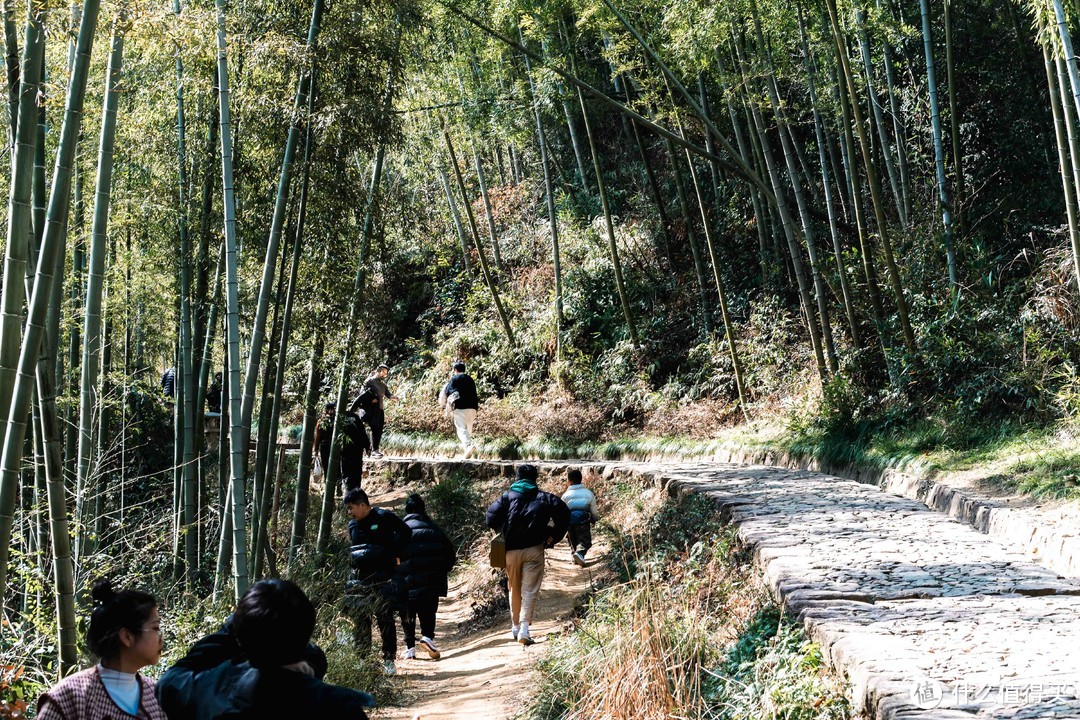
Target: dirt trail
(485,674)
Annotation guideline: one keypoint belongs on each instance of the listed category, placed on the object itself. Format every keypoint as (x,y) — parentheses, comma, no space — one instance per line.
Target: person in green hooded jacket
(531,521)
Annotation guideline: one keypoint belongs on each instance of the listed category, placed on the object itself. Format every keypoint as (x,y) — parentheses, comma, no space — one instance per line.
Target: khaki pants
(524,573)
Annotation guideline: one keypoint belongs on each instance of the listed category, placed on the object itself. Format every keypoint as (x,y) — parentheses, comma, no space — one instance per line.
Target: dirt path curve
(484,674)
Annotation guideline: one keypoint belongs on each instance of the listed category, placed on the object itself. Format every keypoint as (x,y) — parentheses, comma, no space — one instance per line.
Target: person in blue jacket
(259,665)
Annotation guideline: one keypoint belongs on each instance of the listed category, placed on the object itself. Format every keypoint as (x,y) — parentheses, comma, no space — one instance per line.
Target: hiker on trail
(324,435)
(378,538)
(583,513)
(213,395)
(530,521)
(354,442)
(125,633)
(375,415)
(424,568)
(459,396)
(259,666)
(168,382)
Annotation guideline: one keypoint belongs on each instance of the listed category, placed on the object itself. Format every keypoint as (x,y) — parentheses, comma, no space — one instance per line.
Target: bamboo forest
(832,235)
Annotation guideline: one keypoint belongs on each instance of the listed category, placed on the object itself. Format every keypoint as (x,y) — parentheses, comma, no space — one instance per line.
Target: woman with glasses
(125,633)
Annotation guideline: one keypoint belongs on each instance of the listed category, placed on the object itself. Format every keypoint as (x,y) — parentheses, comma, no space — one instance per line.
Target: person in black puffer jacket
(378,539)
(259,666)
(424,567)
(530,521)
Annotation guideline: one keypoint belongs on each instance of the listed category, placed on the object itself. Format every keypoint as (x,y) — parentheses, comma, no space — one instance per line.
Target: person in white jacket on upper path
(583,513)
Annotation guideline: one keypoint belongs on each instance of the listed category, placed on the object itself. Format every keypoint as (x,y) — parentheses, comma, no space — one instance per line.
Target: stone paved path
(927,617)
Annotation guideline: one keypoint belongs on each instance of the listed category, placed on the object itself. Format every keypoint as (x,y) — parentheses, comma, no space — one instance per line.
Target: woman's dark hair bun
(102,591)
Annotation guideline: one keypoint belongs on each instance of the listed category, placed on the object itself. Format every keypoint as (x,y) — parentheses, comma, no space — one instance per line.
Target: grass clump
(688,632)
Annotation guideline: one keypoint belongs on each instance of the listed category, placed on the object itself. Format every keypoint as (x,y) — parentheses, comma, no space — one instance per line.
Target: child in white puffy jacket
(583,513)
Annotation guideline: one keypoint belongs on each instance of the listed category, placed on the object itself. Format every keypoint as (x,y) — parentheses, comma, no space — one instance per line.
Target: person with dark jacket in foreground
(424,569)
(259,666)
(530,521)
(378,538)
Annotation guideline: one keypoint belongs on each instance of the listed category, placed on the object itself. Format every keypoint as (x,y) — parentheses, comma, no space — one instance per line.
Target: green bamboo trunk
(56,217)
(19,208)
(94,289)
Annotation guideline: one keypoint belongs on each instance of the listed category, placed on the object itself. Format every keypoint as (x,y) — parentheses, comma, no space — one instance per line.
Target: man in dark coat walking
(372,400)
(424,567)
(378,538)
(530,521)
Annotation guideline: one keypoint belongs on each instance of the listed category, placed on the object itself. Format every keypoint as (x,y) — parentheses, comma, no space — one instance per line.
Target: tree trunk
(613,248)
(307,437)
(794,251)
(359,281)
(1069,114)
(17,255)
(457,220)
(800,199)
(834,232)
(63,568)
(95,286)
(875,186)
(276,224)
(954,120)
(939,153)
(496,253)
(879,117)
(237,435)
(56,218)
(479,249)
(553,219)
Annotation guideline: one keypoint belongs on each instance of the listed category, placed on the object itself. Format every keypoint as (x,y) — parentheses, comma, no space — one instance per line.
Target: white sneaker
(523,636)
(432,650)
(376,455)
(578,559)
(514,631)
(409,654)
(388,667)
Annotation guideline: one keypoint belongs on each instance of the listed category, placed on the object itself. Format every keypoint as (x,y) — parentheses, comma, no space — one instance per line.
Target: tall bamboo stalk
(188,344)
(277,223)
(17,254)
(954,120)
(613,248)
(872,181)
(457,219)
(553,219)
(773,93)
(56,218)
(939,152)
(879,117)
(359,281)
(95,284)
(794,251)
(237,436)
(834,232)
(479,248)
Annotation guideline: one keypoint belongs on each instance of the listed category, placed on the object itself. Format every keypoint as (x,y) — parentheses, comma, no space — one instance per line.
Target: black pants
(373,602)
(580,538)
(352,469)
(424,607)
(375,419)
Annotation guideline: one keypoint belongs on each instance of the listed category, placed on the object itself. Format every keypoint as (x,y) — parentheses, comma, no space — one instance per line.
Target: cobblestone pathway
(927,617)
